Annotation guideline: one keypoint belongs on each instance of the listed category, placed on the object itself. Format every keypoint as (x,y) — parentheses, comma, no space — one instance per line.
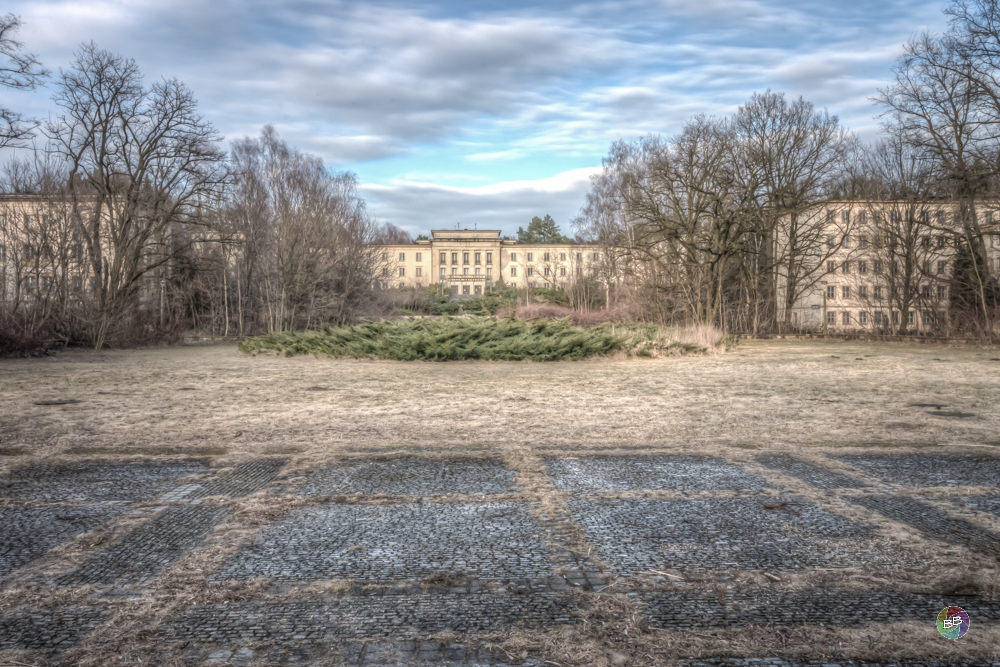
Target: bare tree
(142,163)
(298,240)
(19,70)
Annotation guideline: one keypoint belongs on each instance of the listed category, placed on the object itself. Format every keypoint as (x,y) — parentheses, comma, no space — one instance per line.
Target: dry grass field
(815,401)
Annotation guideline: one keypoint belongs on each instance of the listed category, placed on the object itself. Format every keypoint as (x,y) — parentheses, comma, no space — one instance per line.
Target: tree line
(729,222)
(131,224)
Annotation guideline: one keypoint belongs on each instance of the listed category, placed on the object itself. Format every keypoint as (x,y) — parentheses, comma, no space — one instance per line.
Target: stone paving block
(810,473)
(933,521)
(924,470)
(693,610)
(413,477)
(29,532)
(637,535)
(826,662)
(242,480)
(384,543)
(96,480)
(142,554)
(636,473)
(48,630)
(989,504)
(399,617)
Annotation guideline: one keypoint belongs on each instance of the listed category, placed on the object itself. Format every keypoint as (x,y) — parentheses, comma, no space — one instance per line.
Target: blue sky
(483,113)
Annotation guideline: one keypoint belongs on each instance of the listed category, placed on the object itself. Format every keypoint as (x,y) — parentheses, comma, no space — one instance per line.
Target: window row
(530,256)
(877,292)
(881,318)
(861,217)
(878,266)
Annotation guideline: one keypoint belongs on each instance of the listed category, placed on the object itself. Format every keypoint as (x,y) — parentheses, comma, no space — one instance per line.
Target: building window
(830,241)
(489,271)
(846,317)
(831,317)
(942,291)
(3,222)
(831,217)
(514,285)
(454,258)
(545,257)
(909,317)
(894,216)
(385,272)
(29,221)
(402,272)
(546,285)
(863,291)
(895,317)
(402,256)
(442,258)
(942,267)
(579,256)
(531,271)
(862,240)
(465,258)
(862,267)
(878,317)
(454,271)
(847,241)
(831,266)
(562,257)
(385,257)
(420,272)
(831,292)
(877,292)
(562,271)
(77,283)
(513,272)
(942,241)
(845,292)
(442,273)
(465,271)
(862,217)
(489,258)
(928,317)
(479,258)
(479,290)
(846,267)
(989,217)
(419,257)
(531,256)
(579,271)
(479,271)
(597,256)
(863,317)
(513,256)
(465,289)
(845,217)
(877,266)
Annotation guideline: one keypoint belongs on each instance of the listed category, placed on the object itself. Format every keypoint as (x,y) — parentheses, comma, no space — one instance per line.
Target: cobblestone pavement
(385,543)
(707,609)
(635,473)
(413,477)
(924,470)
(95,480)
(408,564)
(144,552)
(933,521)
(29,532)
(46,630)
(777,662)
(242,480)
(401,617)
(810,473)
(638,535)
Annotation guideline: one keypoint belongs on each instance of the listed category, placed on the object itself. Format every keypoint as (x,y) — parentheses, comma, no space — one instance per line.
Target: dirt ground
(775,395)
(815,401)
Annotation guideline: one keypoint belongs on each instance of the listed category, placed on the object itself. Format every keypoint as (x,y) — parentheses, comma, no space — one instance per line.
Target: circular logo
(953,622)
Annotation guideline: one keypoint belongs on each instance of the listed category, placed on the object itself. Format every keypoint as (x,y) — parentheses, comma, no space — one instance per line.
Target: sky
(482,114)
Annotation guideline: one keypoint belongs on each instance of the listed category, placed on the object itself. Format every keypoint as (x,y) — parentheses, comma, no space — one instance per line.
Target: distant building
(470,262)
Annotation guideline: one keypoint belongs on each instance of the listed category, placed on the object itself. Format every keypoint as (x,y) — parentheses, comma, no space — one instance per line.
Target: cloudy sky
(483,113)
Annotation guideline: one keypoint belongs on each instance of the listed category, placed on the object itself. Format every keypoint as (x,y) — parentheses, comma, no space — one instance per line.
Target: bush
(449,339)
(21,338)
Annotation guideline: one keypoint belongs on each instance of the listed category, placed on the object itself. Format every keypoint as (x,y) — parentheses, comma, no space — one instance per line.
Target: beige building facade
(469,263)
(884,267)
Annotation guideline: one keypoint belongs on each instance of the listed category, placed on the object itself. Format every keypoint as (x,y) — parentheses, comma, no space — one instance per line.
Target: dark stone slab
(95,480)
(810,473)
(413,477)
(925,470)
(636,473)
